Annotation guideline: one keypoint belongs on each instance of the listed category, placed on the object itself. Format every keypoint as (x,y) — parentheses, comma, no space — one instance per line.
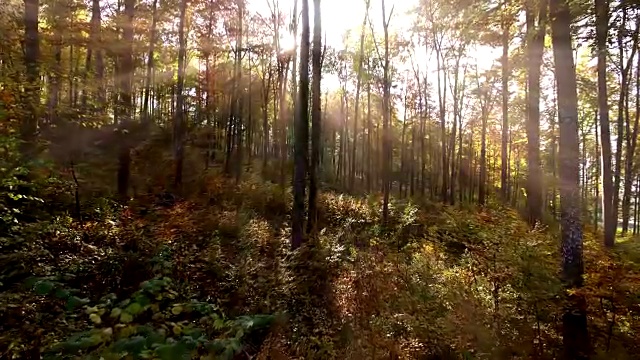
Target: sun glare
(341,17)
(287,42)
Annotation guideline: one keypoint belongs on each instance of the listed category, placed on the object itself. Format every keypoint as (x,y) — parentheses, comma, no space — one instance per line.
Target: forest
(295,179)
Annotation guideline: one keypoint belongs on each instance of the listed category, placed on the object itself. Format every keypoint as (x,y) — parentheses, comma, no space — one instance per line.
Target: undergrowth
(209,274)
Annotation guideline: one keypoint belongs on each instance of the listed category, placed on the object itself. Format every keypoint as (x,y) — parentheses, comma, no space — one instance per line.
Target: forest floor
(211,275)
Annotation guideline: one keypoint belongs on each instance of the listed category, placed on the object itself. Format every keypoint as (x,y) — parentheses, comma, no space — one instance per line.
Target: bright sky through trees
(343,18)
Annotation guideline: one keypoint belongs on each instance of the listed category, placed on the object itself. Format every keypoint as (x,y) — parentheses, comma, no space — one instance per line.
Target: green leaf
(62,293)
(75,301)
(115,312)
(134,308)
(95,318)
(126,317)
(174,351)
(43,287)
(134,345)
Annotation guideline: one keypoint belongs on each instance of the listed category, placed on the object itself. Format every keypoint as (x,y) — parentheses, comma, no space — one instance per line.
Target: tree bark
(357,104)
(631,138)
(535,49)
(504,164)
(575,335)
(150,64)
(386,118)
(29,123)
(126,103)
(602,28)
(316,114)
(301,128)
(178,120)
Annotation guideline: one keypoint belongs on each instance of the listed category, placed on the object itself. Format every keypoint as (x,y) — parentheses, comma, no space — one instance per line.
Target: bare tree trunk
(504,186)
(316,113)
(575,335)
(237,101)
(29,124)
(150,65)
(602,28)
(301,127)
(597,176)
(535,47)
(370,153)
(178,120)
(386,123)
(442,102)
(357,105)
(126,102)
(631,139)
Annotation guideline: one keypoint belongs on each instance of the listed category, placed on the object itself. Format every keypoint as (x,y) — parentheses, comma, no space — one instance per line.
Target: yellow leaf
(126,317)
(95,318)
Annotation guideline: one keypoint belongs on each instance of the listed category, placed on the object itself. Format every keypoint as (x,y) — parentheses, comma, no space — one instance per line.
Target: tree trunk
(442,102)
(597,176)
(575,336)
(504,186)
(631,139)
(29,123)
(386,118)
(357,105)
(178,120)
(126,103)
(150,64)
(535,47)
(301,127)
(602,28)
(316,113)
(237,96)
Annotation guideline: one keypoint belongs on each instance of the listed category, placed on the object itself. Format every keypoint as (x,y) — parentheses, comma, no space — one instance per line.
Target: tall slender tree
(29,123)
(178,120)
(316,117)
(574,332)
(301,141)
(535,49)
(602,29)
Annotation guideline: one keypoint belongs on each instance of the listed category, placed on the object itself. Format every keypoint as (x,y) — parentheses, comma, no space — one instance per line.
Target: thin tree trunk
(357,105)
(126,102)
(597,176)
(316,113)
(178,120)
(504,186)
(301,127)
(386,123)
(631,139)
(29,123)
(602,28)
(150,64)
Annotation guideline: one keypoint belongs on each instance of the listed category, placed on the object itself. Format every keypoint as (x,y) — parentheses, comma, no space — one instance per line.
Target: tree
(602,26)
(178,121)
(126,101)
(535,49)
(316,118)
(146,116)
(359,72)
(386,118)
(574,331)
(29,124)
(504,163)
(301,127)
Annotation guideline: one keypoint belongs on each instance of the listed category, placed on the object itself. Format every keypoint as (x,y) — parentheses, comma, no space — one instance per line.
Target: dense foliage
(446,202)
